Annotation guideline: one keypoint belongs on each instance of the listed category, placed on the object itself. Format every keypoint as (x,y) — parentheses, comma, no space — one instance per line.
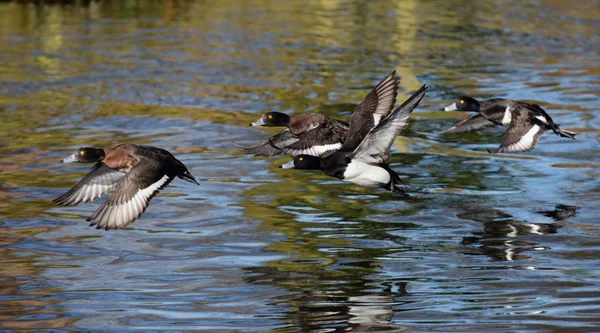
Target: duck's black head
(85,155)
(303,162)
(464,103)
(272,119)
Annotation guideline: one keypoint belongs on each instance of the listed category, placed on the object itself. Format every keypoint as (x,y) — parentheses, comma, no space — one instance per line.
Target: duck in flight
(318,135)
(525,122)
(137,173)
(364,157)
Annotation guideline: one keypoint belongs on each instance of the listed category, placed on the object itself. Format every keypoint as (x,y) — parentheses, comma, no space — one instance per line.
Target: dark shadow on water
(502,237)
(561,212)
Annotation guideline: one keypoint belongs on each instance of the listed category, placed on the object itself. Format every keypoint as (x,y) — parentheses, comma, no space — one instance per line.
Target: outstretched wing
(132,195)
(376,106)
(275,145)
(473,123)
(97,182)
(263,149)
(376,145)
(521,134)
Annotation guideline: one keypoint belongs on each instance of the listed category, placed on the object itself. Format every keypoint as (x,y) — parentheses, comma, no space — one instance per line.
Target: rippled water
(485,243)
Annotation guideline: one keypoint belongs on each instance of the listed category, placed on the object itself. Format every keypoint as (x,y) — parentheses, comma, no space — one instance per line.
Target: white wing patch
(315,150)
(376,119)
(365,174)
(92,190)
(386,96)
(89,192)
(379,139)
(507,116)
(120,215)
(525,143)
(542,119)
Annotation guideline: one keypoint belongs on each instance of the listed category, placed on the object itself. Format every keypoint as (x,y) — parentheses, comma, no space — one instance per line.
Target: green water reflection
(88,73)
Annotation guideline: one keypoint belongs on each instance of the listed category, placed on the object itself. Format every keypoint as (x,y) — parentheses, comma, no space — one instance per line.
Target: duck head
(85,155)
(464,103)
(272,119)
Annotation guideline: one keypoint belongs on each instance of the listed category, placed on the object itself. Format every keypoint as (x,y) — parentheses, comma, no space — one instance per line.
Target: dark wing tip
(415,98)
(66,199)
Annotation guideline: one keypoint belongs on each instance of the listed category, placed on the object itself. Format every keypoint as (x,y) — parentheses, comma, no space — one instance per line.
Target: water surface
(485,243)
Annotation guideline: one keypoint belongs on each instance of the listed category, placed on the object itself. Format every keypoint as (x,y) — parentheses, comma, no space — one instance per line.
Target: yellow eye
(82,153)
(462,101)
(300,159)
(270,116)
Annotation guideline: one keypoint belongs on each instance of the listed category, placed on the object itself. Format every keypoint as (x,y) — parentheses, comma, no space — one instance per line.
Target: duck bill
(288,165)
(259,122)
(451,107)
(70,159)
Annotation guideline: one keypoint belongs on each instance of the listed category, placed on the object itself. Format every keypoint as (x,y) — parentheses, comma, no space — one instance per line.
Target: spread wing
(132,195)
(263,149)
(521,134)
(376,106)
(376,145)
(93,185)
(473,123)
(274,146)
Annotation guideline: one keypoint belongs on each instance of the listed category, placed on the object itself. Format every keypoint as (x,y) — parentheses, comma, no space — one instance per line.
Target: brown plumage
(136,172)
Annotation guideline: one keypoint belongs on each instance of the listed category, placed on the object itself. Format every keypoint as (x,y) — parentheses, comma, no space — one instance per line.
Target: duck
(525,122)
(136,172)
(368,163)
(318,135)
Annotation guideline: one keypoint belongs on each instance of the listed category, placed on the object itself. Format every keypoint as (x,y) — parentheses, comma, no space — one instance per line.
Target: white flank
(507,116)
(315,150)
(122,214)
(365,174)
(526,142)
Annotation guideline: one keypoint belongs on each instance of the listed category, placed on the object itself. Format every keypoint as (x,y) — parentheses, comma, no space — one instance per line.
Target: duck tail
(396,185)
(564,133)
(399,191)
(560,132)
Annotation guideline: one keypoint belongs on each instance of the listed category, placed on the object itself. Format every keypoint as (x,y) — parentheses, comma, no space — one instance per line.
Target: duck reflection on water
(503,238)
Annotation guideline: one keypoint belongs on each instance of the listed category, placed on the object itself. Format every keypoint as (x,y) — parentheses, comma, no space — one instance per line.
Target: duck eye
(462,101)
(300,159)
(270,116)
(82,153)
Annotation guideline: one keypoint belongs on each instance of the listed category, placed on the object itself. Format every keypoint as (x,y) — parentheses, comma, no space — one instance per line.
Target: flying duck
(367,163)
(318,135)
(136,172)
(525,122)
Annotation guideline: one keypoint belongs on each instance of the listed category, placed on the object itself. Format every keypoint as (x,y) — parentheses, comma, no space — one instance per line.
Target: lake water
(485,243)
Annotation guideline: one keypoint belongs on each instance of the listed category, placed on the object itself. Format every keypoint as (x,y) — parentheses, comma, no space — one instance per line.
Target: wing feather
(376,145)
(132,195)
(473,123)
(376,106)
(93,185)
